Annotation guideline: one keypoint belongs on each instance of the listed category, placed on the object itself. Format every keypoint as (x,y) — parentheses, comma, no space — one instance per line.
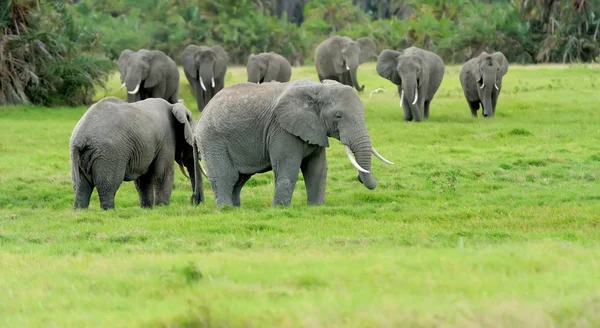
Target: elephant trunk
(205,77)
(361,148)
(489,83)
(355,83)
(196,178)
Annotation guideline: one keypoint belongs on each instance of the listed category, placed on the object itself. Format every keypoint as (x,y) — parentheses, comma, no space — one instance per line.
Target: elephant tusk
(353,161)
(380,157)
(416,96)
(401,97)
(347,67)
(213,82)
(482,85)
(122,86)
(183,171)
(202,84)
(202,169)
(137,88)
(496,86)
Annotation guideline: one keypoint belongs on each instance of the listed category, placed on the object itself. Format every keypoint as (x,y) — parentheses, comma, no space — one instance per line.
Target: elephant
(337,58)
(251,128)
(205,69)
(267,67)
(481,80)
(116,141)
(418,74)
(148,74)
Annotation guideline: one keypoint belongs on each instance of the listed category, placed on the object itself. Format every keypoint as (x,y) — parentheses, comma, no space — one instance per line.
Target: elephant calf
(149,74)
(418,74)
(253,128)
(267,67)
(481,80)
(116,141)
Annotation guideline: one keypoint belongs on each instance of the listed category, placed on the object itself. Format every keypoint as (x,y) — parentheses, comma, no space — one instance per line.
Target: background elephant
(481,80)
(418,74)
(205,69)
(337,58)
(149,74)
(282,127)
(267,67)
(116,141)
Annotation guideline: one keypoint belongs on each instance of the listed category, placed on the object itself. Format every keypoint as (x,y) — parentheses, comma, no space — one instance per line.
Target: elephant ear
(184,116)
(188,59)
(502,62)
(272,68)
(367,49)
(297,111)
(158,63)
(336,47)
(122,62)
(386,66)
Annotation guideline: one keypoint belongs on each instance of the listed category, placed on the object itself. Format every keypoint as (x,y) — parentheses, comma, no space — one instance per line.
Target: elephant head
(257,68)
(405,70)
(200,63)
(315,111)
(349,54)
(488,72)
(139,70)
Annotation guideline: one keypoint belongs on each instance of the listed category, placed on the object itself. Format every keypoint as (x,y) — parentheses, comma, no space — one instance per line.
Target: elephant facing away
(481,80)
(253,128)
(337,58)
(205,69)
(117,141)
(267,67)
(418,74)
(148,74)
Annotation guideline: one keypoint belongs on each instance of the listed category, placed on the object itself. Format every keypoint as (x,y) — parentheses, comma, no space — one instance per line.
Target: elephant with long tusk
(149,74)
(205,69)
(252,128)
(417,73)
(477,77)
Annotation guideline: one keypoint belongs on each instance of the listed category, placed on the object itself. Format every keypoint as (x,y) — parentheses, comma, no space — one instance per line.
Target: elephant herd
(265,124)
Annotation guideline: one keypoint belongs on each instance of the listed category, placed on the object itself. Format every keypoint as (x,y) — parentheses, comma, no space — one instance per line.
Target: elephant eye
(338,115)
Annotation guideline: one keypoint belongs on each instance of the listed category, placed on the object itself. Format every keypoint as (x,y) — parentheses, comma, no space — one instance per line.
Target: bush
(45,58)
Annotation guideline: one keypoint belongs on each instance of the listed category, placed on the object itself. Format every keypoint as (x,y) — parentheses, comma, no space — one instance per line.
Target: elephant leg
(474,106)
(237,189)
(83,192)
(145,188)
(426,108)
(159,91)
(286,171)
(314,170)
(199,93)
(107,184)
(162,179)
(223,177)
(417,110)
(494,101)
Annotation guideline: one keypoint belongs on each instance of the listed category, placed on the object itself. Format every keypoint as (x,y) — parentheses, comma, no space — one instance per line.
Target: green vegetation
(525,31)
(480,223)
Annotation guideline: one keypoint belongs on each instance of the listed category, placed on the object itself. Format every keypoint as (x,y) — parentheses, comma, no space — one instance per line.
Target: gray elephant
(267,67)
(337,58)
(116,141)
(149,74)
(253,128)
(418,74)
(205,69)
(481,80)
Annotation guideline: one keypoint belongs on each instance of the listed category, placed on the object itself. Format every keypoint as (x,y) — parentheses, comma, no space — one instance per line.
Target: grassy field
(481,223)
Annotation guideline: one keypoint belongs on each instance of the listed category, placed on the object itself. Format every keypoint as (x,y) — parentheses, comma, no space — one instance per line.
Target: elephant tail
(198,194)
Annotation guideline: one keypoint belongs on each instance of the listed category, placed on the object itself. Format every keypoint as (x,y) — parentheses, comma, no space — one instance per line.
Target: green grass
(481,223)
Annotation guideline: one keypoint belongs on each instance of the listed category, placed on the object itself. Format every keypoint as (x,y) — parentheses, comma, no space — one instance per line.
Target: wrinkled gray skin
(414,71)
(116,141)
(153,71)
(337,58)
(202,65)
(253,128)
(485,70)
(267,67)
